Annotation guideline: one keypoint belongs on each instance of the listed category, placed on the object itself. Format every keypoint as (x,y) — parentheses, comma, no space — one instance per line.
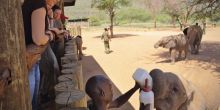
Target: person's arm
(38,26)
(123,98)
(102,36)
(58,31)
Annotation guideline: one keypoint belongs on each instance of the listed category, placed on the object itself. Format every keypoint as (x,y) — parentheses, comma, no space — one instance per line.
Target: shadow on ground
(209,56)
(90,67)
(119,36)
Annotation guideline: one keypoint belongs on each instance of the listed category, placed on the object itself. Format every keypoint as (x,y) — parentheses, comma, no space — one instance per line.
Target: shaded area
(209,54)
(90,67)
(84,48)
(119,36)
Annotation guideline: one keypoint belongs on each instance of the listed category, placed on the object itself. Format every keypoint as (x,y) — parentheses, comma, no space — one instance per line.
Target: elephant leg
(193,46)
(180,54)
(197,48)
(170,50)
(173,56)
(185,53)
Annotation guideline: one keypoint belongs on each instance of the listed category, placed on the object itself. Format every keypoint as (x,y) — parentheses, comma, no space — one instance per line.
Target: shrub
(94,21)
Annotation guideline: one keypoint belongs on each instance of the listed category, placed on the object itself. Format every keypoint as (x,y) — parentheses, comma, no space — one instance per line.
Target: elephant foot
(172,61)
(197,52)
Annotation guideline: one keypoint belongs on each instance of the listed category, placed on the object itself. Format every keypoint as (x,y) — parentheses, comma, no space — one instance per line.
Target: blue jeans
(34,81)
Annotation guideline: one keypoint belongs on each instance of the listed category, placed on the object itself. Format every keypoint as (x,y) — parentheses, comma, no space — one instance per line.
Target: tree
(179,10)
(183,10)
(12,56)
(110,6)
(172,9)
(206,9)
(154,7)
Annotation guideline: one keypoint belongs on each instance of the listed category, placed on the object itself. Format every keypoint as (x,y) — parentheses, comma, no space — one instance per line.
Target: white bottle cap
(140,75)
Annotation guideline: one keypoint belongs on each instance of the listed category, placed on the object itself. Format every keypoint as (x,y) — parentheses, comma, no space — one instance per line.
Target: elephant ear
(195,100)
(171,44)
(185,31)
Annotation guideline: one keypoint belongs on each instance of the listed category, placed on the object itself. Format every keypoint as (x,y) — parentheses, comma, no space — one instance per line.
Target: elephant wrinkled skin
(194,35)
(175,43)
(173,92)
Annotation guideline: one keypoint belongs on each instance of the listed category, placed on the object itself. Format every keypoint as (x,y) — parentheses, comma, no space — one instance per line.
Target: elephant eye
(175,89)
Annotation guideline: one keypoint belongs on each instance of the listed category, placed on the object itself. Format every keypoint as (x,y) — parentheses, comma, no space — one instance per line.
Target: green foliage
(216,17)
(164,18)
(130,15)
(109,5)
(94,21)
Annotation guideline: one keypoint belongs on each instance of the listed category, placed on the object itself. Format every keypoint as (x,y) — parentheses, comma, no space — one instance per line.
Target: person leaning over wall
(57,27)
(36,32)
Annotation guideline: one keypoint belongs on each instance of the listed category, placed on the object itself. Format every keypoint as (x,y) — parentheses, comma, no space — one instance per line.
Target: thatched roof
(69,2)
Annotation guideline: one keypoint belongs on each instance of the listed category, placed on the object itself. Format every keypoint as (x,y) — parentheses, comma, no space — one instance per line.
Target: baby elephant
(175,43)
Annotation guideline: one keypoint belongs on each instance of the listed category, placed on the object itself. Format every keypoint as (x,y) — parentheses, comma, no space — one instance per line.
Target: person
(57,28)
(64,20)
(146,96)
(36,32)
(99,89)
(79,46)
(106,37)
(57,23)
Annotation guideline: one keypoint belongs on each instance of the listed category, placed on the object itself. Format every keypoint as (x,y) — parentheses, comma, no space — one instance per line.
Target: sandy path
(133,48)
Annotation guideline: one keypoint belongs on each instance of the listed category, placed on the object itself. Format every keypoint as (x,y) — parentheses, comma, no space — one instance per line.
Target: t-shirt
(105,36)
(27,8)
(58,24)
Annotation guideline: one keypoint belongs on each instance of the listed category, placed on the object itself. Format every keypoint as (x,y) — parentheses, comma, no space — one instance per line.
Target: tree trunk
(204,25)
(181,26)
(12,48)
(173,21)
(155,22)
(112,21)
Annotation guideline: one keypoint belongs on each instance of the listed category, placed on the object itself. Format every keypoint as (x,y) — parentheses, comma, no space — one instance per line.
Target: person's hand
(65,32)
(50,35)
(136,86)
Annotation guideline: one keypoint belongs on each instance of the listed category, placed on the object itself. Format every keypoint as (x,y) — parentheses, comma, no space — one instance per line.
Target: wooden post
(79,75)
(12,56)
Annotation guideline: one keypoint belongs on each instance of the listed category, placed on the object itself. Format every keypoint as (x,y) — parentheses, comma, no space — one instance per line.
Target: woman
(36,31)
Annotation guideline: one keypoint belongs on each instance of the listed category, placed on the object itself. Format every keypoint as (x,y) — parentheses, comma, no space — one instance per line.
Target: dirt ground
(133,48)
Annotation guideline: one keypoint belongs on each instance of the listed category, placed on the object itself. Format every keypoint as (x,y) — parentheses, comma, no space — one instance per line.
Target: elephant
(175,43)
(175,92)
(194,35)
